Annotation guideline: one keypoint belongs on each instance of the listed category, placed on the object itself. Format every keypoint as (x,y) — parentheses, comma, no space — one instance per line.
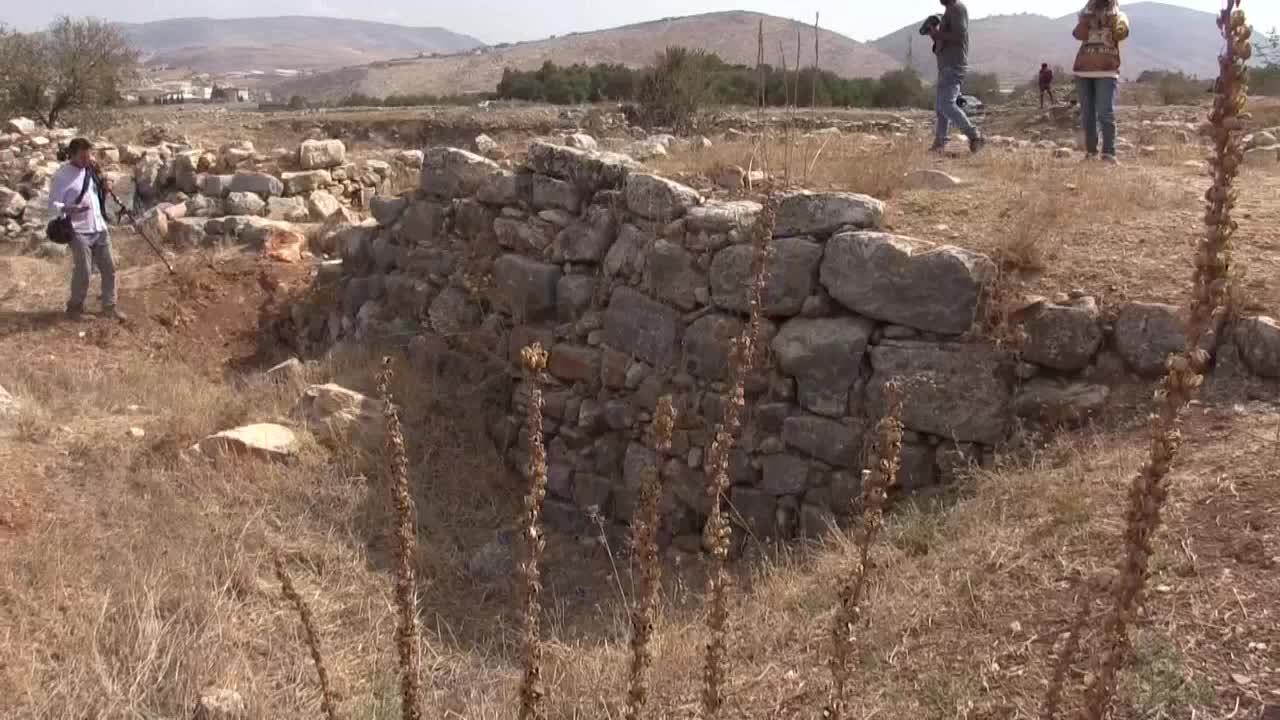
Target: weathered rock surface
(284,245)
(720,216)
(549,192)
(827,440)
(255,182)
(245,203)
(265,441)
(1258,340)
(904,281)
(453,173)
(589,238)
(1146,334)
(933,180)
(301,183)
(288,209)
(658,198)
(524,287)
(670,274)
(387,210)
(639,326)
(452,312)
(1063,337)
(809,213)
(1055,403)
(825,356)
(321,205)
(956,391)
(790,276)
(337,415)
(708,346)
(11,203)
(590,171)
(318,154)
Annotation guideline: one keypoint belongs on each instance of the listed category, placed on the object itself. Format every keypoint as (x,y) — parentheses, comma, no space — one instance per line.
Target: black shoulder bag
(59,229)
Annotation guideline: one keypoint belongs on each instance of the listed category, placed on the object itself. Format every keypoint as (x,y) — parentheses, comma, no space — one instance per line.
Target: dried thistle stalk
(875,491)
(532,691)
(1185,372)
(717,532)
(644,547)
(406,550)
(327,703)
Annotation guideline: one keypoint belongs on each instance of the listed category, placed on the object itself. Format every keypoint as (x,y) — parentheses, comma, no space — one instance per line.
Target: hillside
(731,35)
(210,45)
(1165,37)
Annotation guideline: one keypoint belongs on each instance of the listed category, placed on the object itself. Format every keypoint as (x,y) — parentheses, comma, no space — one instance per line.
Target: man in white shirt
(77,192)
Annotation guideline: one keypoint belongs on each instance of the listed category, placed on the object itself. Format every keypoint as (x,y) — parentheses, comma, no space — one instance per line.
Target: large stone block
(290,209)
(589,171)
(708,346)
(790,276)
(1063,337)
(12,204)
(658,198)
(670,274)
(588,239)
(506,188)
(641,327)
(422,222)
(627,255)
(301,183)
(809,213)
(215,186)
(244,203)
(785,474)
(524,287)
(830,441)
(825,357)
(906,282)
(317,154)
(453,311)
(1258,340)
(1146,334)
(756,510)
(549,192)
(575,363)
(1055,403)
(453,173)
(722,216)
(256,182)
(960,392)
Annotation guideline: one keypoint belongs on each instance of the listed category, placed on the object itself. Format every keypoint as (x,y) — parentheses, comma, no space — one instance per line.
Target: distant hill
(731,35)
(304,43)
(1164,37)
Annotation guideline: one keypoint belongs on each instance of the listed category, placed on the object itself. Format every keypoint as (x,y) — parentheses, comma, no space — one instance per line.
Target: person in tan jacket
(1100,28)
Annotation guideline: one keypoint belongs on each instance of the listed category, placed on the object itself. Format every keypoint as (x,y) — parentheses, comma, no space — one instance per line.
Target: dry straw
(532,690)
(876,482)
(313,638)
(717,533)
(406,550)
(644,549)
(1185,372)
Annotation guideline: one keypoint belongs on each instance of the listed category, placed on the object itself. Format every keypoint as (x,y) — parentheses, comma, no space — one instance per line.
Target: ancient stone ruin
(637,285)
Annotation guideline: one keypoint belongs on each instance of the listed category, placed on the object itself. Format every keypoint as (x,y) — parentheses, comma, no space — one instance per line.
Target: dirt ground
(132,577)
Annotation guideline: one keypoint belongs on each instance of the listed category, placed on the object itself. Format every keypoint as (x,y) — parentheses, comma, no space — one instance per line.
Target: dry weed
(406,552)
(1210,293)
(327,704)
(644,549)
(875,487)
(532,689)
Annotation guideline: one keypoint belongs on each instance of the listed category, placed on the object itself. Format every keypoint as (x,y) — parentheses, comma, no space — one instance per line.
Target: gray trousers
(87,252)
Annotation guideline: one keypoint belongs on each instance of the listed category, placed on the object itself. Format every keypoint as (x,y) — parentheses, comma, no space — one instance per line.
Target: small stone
(136,433)
(264,440)
(220,704)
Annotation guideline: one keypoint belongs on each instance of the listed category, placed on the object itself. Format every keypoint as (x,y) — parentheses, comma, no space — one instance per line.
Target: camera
(930,23)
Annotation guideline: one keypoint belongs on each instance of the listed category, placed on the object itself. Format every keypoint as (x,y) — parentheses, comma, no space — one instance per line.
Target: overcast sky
(495,21)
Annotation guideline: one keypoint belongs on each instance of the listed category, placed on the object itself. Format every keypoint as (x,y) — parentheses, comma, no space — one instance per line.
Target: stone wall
(636,285)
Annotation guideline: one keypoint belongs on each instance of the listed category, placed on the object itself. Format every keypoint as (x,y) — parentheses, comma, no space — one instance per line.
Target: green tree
(901,88)
(75,63)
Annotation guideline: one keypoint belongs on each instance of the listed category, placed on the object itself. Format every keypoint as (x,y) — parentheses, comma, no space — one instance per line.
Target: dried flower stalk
(532,690)
(1185,372)
(644,548)
(717,532)
(406,550)
(876,482)
(327,703)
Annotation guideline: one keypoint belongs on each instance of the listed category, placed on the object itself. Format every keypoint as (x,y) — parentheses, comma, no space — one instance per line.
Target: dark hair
(79,144)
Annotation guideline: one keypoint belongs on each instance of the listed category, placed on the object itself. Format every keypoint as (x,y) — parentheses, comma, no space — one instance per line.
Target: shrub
(673,90)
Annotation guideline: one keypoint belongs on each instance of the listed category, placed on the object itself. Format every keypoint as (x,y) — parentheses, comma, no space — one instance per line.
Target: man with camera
(950,35)
(78,193)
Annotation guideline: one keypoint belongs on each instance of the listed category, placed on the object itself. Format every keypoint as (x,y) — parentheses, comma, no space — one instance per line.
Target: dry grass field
(133,577)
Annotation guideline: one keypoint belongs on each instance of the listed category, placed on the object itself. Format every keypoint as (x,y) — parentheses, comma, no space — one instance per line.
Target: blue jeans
(949,113)
(1098,110)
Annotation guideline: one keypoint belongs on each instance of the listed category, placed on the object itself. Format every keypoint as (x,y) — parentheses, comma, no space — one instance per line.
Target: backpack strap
(84,188)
